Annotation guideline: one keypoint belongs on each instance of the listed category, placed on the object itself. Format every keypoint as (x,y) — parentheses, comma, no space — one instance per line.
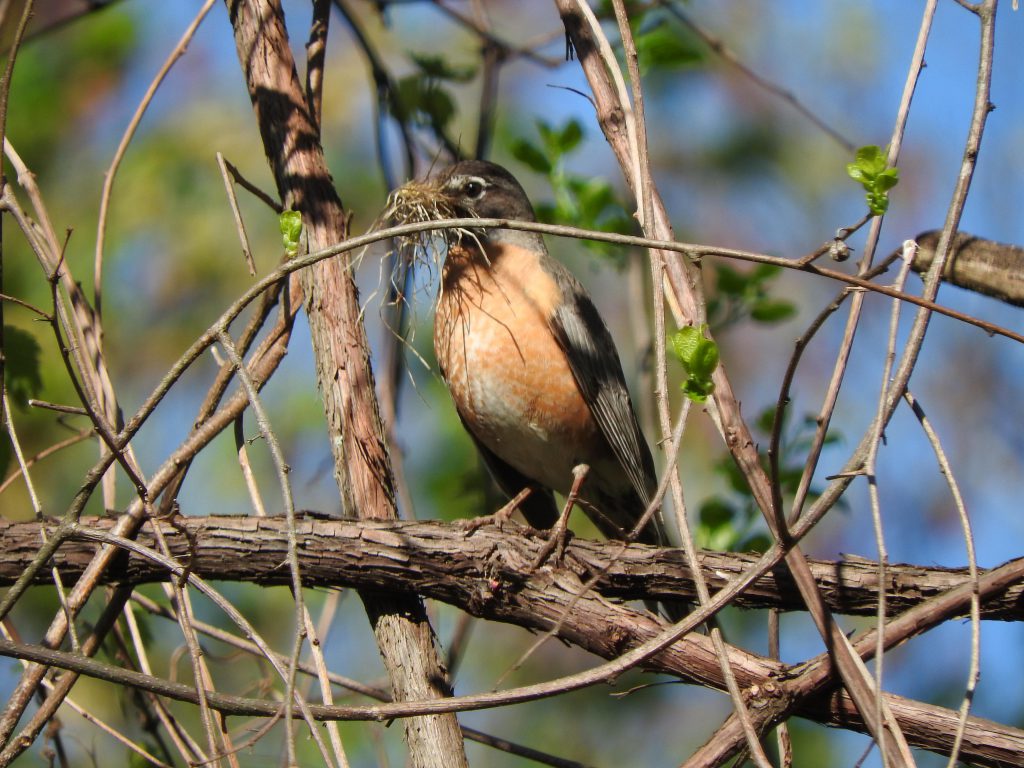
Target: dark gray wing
(595,364)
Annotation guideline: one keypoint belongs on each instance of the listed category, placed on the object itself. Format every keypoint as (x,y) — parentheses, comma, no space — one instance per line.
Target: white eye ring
(474,187)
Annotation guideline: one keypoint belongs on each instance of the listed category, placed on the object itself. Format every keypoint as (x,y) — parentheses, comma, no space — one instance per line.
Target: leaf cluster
(423,98)
(746,295)
(732,521)
(699,357)
(871,169)
(587,202)
(663,45)
(290,223)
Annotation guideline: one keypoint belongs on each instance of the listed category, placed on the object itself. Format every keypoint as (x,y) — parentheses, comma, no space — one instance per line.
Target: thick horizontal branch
(980,265)
(487,573)
(442,560)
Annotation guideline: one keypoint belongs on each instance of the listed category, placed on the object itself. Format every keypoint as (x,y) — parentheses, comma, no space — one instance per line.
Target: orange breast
(507,375)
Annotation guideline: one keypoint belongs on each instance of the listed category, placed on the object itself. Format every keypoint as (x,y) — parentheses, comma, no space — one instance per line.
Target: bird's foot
(499,518)
(560,533)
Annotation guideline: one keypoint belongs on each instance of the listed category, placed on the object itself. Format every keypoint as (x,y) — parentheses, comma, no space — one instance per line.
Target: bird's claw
(560,533)
(499,518)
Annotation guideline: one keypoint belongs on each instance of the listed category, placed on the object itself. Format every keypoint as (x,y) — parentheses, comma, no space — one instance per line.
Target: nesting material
(416,201)
(419,201)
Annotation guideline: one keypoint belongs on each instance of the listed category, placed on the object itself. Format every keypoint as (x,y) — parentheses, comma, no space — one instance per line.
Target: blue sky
(845,60)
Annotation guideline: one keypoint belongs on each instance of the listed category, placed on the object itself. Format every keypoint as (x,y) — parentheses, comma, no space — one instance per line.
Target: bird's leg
(559,533)
(500,517)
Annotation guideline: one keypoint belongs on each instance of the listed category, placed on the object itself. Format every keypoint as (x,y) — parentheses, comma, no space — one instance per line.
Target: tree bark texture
(976,264)
(487,573)
(291,141)
(446,562)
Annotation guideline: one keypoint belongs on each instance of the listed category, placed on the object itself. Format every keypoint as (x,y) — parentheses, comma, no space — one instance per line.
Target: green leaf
(764,272)
(696,391)
(290,223)
(420,99)
(530,155)
(759,542)
(721,539)
(594,199)
(22,377)
(871,172)
(439,68)
(666,46)
(583,201)
(716,511)
(716,524)
(560,141)
(684,343)
(887,179)
(705,360)
(772,310)
(552,139)
(593,193)
(731,281)
(871,159)
(856,173)
(699,357)
(570,136)
(21,367)
(549,137)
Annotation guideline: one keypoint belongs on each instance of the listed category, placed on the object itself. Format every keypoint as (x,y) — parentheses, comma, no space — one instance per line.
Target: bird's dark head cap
(485,190)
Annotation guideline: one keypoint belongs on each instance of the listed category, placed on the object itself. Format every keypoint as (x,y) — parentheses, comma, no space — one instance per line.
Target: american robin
(531,366)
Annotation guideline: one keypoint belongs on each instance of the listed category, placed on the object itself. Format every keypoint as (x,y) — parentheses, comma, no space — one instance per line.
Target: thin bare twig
(186,746)
(281,466)
(974,670)
(870,472)
(67,442)
(643,189)
(243,237)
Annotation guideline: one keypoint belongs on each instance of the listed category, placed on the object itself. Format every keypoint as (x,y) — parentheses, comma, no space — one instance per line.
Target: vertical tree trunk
(362,467)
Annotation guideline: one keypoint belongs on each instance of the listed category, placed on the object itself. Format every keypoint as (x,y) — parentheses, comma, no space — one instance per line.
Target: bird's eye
(473,189)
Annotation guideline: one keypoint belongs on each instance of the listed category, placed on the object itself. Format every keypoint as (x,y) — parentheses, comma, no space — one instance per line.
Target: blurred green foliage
(733,521)
(424,97)
(23,378)
(22,375)
(64,81)
(580,201)
(739,296)
(663,45)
